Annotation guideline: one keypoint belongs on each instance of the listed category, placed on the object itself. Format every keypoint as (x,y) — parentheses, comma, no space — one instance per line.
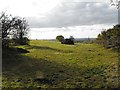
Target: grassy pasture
(53,65)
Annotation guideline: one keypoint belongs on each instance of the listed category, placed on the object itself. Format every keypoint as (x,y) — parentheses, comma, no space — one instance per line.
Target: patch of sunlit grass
(51,64)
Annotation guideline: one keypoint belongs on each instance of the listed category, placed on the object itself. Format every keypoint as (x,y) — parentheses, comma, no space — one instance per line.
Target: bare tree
(11,27)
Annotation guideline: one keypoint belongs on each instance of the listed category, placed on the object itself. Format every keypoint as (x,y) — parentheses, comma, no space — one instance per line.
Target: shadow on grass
(47,48)
(23,71)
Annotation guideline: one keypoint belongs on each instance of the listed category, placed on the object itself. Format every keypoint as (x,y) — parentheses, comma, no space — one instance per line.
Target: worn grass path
(51,64)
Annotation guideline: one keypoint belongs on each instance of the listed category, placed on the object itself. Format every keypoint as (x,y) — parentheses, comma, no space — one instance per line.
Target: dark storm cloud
(76,14)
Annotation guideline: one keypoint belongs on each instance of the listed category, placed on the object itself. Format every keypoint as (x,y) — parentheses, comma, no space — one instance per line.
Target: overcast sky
(48,18)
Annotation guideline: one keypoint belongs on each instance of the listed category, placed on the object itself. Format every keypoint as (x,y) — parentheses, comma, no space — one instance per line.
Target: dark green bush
(17,41)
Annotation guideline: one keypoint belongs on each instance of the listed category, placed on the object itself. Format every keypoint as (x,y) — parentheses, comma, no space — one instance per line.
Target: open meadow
(49,64)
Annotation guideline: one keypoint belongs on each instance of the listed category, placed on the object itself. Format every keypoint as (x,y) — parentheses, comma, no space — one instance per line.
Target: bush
(5,43)
(17,41)
(60,38)
(110,38)
(24,41)
(68,41)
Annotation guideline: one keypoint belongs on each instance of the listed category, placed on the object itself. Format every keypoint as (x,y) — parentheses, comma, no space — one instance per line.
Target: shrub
(68,41)
(60,38)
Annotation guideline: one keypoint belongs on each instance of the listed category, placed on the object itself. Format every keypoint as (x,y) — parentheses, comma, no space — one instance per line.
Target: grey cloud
(76,14)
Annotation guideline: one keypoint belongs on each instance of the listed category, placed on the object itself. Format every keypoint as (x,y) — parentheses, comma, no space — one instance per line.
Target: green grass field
(53,65)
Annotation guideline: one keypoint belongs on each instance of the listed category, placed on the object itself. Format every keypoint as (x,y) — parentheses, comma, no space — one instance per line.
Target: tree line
(14,30)
(110,38)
